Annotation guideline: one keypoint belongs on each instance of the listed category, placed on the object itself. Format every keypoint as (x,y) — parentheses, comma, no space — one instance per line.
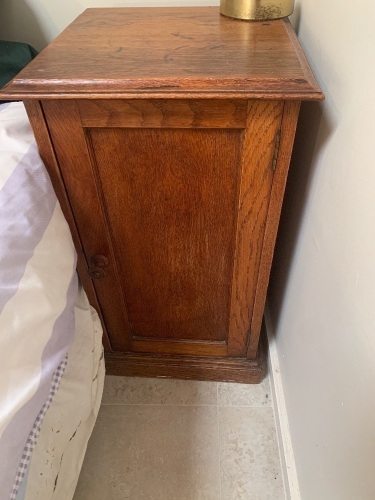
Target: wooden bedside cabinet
(167,133)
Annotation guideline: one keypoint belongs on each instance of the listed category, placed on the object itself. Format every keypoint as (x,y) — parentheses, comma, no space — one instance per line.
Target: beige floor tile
(245,394)
(152,452)
(130,390)
(250,464)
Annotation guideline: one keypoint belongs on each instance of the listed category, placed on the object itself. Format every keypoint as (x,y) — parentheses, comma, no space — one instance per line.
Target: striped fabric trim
(35,431)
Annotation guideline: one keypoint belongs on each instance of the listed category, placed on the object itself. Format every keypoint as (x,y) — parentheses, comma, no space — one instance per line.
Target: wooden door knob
(96,273)
(99,261)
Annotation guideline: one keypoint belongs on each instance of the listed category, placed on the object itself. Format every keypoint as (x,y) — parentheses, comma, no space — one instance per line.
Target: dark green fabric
(14,56)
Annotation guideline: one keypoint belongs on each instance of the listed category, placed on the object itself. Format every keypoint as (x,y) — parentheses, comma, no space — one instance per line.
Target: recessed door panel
(170,200)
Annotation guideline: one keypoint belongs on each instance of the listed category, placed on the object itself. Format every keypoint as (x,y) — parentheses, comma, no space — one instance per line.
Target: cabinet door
(170,198)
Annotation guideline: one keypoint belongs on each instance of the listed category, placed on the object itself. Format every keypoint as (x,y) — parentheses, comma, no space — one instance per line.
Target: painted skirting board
(281,417)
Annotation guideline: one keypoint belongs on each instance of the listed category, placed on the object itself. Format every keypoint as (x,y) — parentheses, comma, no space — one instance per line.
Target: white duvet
(40,303)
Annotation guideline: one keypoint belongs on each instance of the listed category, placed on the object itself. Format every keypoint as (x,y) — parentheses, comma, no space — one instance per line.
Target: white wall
(37,22)
(322,294)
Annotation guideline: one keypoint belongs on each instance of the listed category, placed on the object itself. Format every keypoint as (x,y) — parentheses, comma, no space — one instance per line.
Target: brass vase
(256,10)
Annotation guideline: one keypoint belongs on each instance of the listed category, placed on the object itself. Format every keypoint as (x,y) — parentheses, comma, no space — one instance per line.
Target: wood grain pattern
(72,152)
(163,113)
(181,347)
(170,203)
(289,124)
(189,52)
(186,367)
(167,133)
(151,198)
(46,151)
(264,121)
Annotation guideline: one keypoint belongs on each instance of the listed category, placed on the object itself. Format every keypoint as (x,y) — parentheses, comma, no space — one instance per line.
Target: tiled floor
(160,439)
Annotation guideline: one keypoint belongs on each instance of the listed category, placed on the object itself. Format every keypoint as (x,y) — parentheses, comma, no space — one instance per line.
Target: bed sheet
(58,456)
(39,293)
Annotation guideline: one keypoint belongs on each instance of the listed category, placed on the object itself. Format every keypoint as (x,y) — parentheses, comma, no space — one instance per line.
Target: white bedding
(50,339)
(60,450)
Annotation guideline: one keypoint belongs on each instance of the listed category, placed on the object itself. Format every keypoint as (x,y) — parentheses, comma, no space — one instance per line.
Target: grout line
(160,404)
(188,405)
(218,438)
(245,406)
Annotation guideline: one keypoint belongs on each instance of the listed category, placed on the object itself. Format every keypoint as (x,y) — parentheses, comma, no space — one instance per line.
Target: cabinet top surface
(168,52)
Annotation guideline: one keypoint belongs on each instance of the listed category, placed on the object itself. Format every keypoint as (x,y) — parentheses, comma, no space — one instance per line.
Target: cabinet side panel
(288,129)
(258,150)
(170,202)
(46,151)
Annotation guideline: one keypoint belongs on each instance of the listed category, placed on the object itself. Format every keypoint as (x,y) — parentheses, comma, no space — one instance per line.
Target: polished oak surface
(167,134)
(178,211)
(168,52)
(170,201)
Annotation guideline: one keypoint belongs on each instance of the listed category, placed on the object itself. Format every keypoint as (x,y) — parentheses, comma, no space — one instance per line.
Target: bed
(51,357)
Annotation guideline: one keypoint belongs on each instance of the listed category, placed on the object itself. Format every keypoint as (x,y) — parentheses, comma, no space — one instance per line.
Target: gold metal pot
(256,10)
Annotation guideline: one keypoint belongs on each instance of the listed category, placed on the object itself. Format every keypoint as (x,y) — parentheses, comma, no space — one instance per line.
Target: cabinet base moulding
(186,367)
